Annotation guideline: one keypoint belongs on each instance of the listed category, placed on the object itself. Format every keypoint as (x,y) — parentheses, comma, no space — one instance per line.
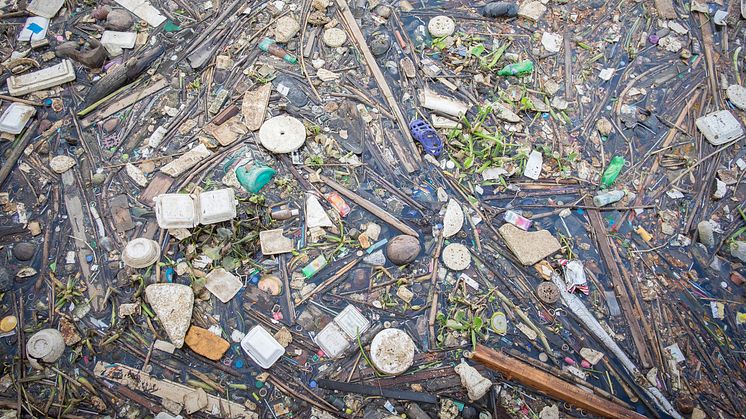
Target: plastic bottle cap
(141,253)
(8,323)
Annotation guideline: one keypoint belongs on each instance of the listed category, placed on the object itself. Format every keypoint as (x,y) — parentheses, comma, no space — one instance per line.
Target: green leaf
(477,323)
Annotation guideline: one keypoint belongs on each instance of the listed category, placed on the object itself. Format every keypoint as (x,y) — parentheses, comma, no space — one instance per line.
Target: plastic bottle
(284,214)
(520,68)
(269,45)
(500,9)
(612,171)
(606,198)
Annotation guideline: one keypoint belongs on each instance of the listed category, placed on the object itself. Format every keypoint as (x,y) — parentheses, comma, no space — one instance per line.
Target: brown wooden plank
(547,383)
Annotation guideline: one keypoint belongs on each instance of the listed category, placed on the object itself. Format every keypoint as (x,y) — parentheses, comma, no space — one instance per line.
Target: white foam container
(332,340)
(352,322)
(262,347)
(719,127)
(42,79)
(175,210)
(16,117)
(217,206)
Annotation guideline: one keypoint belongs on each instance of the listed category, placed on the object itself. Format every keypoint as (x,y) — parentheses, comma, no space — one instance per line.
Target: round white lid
(282,134)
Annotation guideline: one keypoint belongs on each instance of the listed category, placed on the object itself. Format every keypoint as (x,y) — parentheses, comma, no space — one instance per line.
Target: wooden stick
(527,375)
(616,278)
(19,100)
(433,292)
(343,270)
(409,156)
(370,207)
(18,148)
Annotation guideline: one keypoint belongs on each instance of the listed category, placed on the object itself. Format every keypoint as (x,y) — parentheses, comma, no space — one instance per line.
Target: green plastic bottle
(521,68)
(612,171)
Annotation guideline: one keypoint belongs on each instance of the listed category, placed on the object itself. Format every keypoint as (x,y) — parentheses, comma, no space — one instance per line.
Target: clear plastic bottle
(606,198)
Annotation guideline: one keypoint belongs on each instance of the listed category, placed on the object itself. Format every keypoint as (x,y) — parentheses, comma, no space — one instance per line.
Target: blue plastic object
(426,135)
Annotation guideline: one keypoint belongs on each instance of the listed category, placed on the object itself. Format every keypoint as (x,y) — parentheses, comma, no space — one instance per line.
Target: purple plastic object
(653,39)
(426,135)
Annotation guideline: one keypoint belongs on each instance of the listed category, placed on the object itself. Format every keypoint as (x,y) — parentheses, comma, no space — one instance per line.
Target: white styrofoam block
(217,206)
(262,347)
(15,118)
(115,41)
(42,79)
(175,210)
(719,127)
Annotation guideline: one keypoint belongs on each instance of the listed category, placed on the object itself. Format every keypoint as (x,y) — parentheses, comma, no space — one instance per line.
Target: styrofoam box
(175,210)
(352,322)
(217,206)
(262,347)
(332,340)
(42,79)
(719,127)
(15,118)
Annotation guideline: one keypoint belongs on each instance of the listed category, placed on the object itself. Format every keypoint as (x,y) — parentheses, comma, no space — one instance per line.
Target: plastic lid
(282,134)
(392,351)
(262,347)
(47,345)
(141,253)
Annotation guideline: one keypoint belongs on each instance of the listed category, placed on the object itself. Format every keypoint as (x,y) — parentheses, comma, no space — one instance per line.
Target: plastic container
(332,340)
(185,211)
(15,118)
(352,322)
(606,198)
(521,68)
(612,171)
(46,345)
(217,206)
(42,79)
(262,347)
(175,211)
(141,253)
(253,176)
